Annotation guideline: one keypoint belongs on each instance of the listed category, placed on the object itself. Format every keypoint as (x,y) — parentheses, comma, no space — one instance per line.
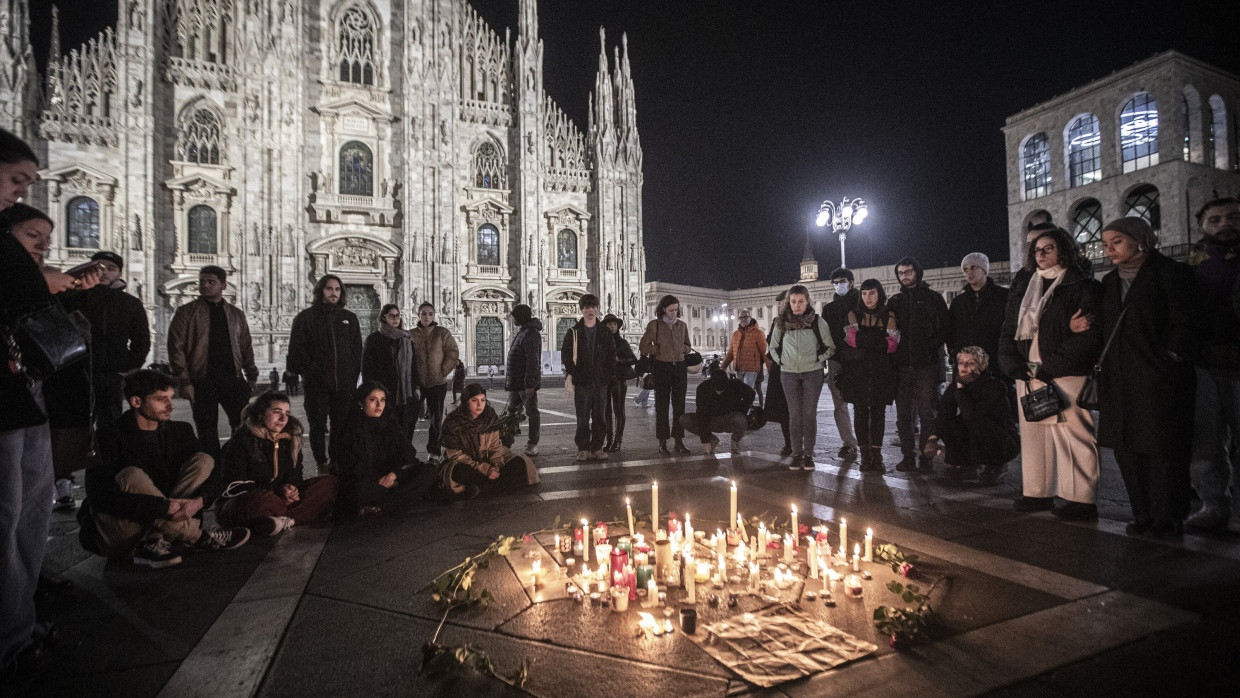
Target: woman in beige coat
(435,356)
(667,340)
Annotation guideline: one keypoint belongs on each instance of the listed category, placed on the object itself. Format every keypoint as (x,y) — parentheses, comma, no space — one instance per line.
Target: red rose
(908,570)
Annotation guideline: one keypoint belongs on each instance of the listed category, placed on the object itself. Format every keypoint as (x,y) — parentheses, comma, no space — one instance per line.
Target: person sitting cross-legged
(475,459)
(722,403)
(149,488)
(975,422)
(263,465)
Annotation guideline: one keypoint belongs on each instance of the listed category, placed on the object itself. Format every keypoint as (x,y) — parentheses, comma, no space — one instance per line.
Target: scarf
(1034,302)
(461,432)
(403,390)
(804,321)
(263,434)
(671,321)
(1128,271)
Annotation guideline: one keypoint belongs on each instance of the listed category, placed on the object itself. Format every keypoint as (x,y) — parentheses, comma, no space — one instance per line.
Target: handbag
(1088,399)
(46,341)
(568,378)
(1042,403)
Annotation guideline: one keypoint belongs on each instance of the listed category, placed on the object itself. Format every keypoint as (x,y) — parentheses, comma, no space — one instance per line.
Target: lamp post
(842,218)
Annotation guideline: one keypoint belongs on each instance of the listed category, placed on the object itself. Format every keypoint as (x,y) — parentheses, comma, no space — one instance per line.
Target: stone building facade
(1156,139)
(403,145)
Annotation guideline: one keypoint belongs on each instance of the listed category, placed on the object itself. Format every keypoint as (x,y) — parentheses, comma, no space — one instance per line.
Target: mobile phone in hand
(83,269)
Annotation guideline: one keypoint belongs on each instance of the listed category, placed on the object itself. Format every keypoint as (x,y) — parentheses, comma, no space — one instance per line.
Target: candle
(688,529)
(762,538)
(788,548)
(628,506)
(585,545)
(702,572)
(630,580)
(843,537)
(619,599)
(869,545)
(740,524)
(811,557)
(662,558)
(796,531)
(753,577)
(536,574)
(742,552)
(645,575)
(690,581)
(734,537)
(722,568)
(721,543)
(652,592)
(852,586)
(732,510)
(654,506)
(857,557)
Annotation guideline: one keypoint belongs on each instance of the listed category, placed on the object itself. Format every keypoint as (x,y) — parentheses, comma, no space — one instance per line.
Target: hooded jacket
(595,369)
(325,347)
(923,321)
(435,354)
(189,333)
(735,397)
(796,351)
(525,358)
(270,464)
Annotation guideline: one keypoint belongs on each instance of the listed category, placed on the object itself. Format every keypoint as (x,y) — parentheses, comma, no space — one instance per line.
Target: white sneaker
(582,456)
(64,495)
(531,449)
(273,525)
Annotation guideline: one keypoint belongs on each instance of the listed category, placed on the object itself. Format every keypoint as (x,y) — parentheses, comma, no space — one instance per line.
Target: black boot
(615,445)
(663,447)
(876,459)
(607,443)
(681,447)
(867,461)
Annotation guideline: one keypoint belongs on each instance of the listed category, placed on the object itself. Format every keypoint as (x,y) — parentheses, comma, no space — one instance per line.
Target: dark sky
(752,113)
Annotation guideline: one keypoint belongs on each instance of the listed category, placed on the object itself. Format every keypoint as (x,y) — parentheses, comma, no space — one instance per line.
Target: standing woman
(667,340)
(618,386)
(868,374)
(1058,454)
(1148,379)
(387,358)
(435,357)
(802,344)
(475,459)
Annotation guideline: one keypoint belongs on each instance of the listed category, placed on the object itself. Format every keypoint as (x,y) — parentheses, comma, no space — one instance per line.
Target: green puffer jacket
(797,351)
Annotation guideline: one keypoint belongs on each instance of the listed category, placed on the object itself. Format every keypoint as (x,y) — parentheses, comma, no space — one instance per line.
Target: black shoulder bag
(1088,399)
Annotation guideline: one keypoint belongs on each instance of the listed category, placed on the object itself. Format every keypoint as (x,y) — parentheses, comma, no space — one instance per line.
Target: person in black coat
(618,386)
(523,376)
(776,404)
(1148,380)
(923,321)
(379,468)
(836,314)
(387,358)
(868,374)
(588,355)
(977,313)
(722,404)
(975,422)
(1037,346)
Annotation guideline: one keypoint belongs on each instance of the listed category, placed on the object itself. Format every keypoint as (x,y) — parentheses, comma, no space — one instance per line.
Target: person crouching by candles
(263,464)
(379,468)
(475,460)
(975,422)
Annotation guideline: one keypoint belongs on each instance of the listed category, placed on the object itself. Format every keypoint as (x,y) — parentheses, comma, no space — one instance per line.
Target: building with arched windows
(403,145)
(1155,140)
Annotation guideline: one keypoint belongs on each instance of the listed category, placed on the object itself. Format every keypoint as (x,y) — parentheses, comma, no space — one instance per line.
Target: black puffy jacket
(525,357)
(325,347)
(921,317)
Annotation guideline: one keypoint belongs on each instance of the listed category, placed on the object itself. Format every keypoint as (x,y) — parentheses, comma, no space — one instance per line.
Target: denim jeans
(1216,429)
(25,514)
(917,397)
(749,378)
(530,403)
(589,403)
(802,391)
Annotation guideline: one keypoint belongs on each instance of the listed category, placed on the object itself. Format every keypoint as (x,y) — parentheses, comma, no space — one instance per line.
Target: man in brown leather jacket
(212,358)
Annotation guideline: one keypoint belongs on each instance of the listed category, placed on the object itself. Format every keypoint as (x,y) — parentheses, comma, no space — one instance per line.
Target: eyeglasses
(392,315)
(1045,250)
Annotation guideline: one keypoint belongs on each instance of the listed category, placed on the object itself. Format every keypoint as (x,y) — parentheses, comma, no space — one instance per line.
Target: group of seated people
(147,494)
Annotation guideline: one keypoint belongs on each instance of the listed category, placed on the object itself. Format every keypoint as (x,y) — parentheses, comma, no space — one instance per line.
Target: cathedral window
(566,250)
(199,137)
(488,246)
(357,47)
(1084,156)
(1143,203)
(1087,228)
(1218,133)
(202,230)
(488,167)
(83,228)
(357,167)
(1138,132)
(1036,166)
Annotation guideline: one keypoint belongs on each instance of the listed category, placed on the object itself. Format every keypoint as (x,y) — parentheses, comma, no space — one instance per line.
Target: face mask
(841,289)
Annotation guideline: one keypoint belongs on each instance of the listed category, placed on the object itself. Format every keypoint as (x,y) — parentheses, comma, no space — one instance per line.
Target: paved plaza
(1030,605)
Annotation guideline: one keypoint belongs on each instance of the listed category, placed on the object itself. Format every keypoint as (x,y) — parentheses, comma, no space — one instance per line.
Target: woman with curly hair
(262,462)
(475,459)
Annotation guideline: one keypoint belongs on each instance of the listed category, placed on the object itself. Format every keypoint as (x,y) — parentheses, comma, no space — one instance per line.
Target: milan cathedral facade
(402,145)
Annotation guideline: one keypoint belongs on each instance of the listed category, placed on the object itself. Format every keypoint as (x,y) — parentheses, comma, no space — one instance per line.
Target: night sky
(751,113)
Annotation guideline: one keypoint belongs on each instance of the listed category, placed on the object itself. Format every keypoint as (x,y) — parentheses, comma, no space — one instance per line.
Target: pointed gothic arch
(200,133)
(488,165)
(356,53)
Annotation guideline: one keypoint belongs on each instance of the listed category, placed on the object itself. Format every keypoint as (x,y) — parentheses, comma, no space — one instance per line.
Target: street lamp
(842,218)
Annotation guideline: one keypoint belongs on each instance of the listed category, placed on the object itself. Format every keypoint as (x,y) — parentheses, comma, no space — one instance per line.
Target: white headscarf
(1035,299)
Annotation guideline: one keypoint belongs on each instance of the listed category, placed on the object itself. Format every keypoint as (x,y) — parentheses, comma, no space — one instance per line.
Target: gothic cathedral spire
(18,86)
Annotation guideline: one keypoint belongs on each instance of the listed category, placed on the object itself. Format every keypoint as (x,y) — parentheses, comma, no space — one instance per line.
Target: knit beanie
(978,259)
(1135,228)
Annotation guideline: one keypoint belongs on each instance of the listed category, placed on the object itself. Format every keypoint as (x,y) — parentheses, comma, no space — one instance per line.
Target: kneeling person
(722,404)
(975,422)
(263,464)
(148,489)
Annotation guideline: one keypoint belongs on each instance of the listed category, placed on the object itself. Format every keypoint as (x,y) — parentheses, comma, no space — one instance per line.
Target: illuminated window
(1084,156)
(1138,132)
(1087,228)
(202,230)
(357,47)
(566,250)
(357,167)
(1143,203)
(1036,165)
(83,227)
(1218,133)
(488,246)
(1188,141)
